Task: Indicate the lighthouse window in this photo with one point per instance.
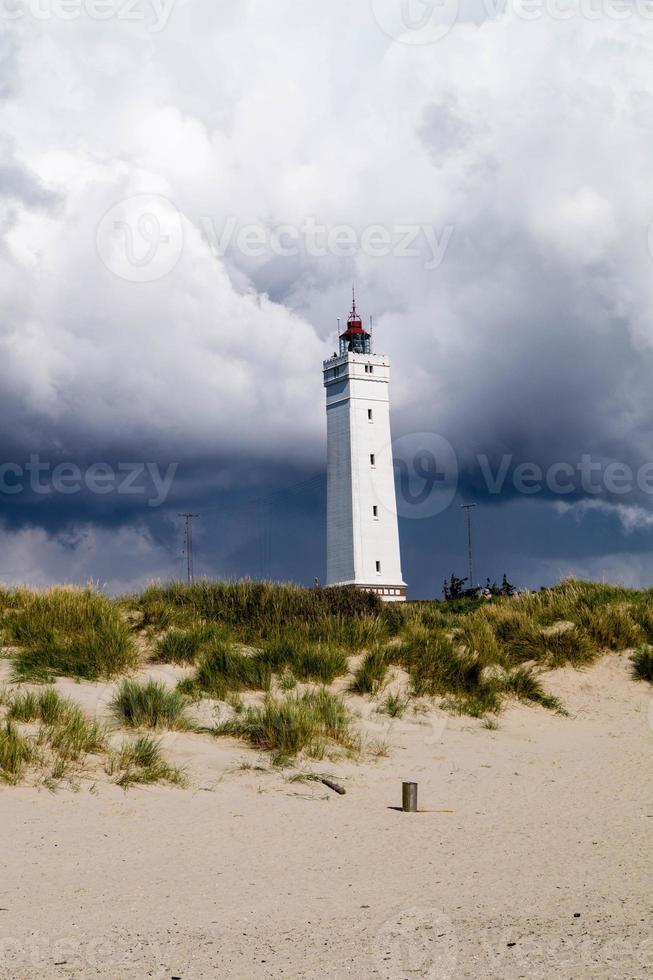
(369, 415)
(378, 568)
(375, 512)
(372, 459)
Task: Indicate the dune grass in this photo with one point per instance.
(259, 612)
(305, 661)
(370, 676)
(64, 740)
(66, 735)
(394, 705)
(140, 761)
(184, 646)
(642, 662)
(68, 632)
(312, 722)
(225, 670)
(612, 627)
(150, 705)
(16, 751)
(526, 686)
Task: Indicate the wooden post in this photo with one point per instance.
(409, 797)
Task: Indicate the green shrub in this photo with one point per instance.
(150, 705)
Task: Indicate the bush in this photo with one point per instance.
(150, 705)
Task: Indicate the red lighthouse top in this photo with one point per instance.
(355, 338)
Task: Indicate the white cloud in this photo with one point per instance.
(531, 140)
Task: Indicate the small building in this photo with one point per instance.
(362, 528)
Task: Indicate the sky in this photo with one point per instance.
(188, 189)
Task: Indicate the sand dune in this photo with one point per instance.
(532, 857)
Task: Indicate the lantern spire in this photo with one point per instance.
(355, 339)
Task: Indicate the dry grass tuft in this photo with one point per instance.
(140, 761)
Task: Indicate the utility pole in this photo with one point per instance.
(188, 540)
(469, 508)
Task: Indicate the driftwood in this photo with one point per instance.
(340, 790)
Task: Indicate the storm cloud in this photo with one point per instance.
(185, 201)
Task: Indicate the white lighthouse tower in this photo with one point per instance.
(362, 531)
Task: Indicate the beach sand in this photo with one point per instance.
(531, 858)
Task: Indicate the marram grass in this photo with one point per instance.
(312, 722)
(150, 705)
(140, 761)
(72, 632)
(643, 664)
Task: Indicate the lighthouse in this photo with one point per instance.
(362, 530)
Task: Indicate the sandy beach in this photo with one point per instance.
(531, 856)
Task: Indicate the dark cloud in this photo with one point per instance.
(518, 325)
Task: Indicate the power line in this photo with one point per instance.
(188, 542)
(469, 508)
